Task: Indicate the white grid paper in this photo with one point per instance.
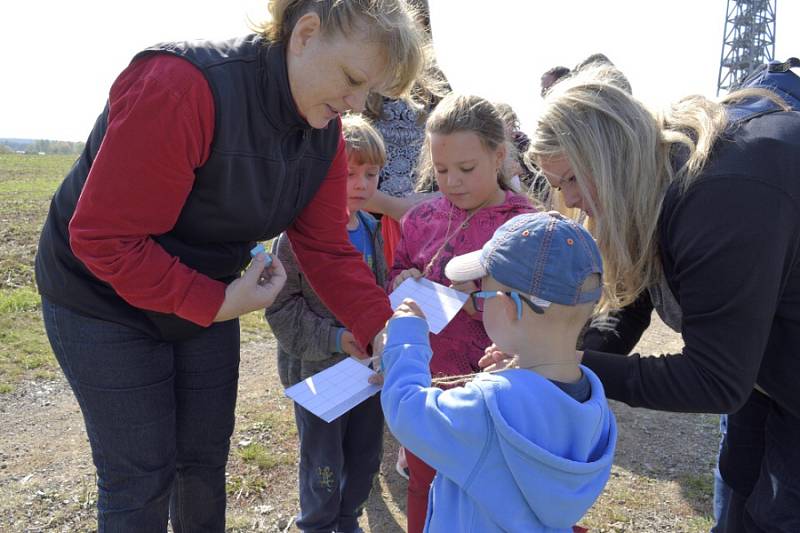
(439, 303)
(334, 391)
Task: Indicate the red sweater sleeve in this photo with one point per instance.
(334, 268)
(160, 126)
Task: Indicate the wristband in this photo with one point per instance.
(339, 334)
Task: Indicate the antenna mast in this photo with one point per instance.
(748, 41)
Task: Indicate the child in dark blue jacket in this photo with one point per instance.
(528, 447)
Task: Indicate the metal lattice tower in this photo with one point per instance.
(748, 41)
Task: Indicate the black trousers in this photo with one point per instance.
(760, 461)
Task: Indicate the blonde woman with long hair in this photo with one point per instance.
(698, 217)
(204, 149)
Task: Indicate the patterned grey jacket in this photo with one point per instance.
(305, 329)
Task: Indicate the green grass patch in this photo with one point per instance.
(237, 485)
(279, 422)
(27, 183)
(697, 487)
(700, 523)
(258, 455)
(235, 523)
(24, 350)
(35, 188)
(19, 300)
(698, 490)
(19, 166)
(254, 327)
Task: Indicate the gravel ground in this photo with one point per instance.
(661, 479)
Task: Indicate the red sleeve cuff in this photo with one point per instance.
(203, 300)
(370, 324)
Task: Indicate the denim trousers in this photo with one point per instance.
(338, 464)
(760, 462)
(159, 417)
(722, 492)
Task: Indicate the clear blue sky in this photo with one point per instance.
(56, 76)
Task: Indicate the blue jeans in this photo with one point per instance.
(338, 464)
(722, 492)
(159, 417)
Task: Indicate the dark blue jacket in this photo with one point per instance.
(730, 249)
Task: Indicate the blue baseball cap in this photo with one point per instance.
(544, 255)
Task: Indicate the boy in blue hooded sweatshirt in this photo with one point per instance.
(528, 447)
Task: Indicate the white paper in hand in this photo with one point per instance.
(334, 391)
(439, 303)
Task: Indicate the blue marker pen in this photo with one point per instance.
(257, 249)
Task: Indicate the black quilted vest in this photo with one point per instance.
(266, 164)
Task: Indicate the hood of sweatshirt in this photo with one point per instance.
(557, 451)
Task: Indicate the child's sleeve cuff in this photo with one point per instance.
(407, 330)
(335, 339)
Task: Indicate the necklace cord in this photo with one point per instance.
(464, 378)
(427, 270)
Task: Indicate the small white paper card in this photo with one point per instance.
(334, 391)
(439, 303)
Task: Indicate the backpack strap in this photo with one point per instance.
(780, 78)
(776, 66)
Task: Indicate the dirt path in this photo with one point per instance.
(661, 479)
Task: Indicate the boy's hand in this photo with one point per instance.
(351, 347)
(494, 359)
(256, 289)
(379, 342)
(404, 275)
(408, 308)
(466, 287)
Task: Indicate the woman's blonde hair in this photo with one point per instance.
(462, 113)
(631, 156)
(362, 140)
(390, 23)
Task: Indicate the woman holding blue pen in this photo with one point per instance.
(204, 149)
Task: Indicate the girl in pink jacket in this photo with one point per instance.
(464, 149)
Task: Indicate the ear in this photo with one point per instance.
(500, 155)
(307, 27)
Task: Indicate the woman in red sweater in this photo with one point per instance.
(204, 149)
